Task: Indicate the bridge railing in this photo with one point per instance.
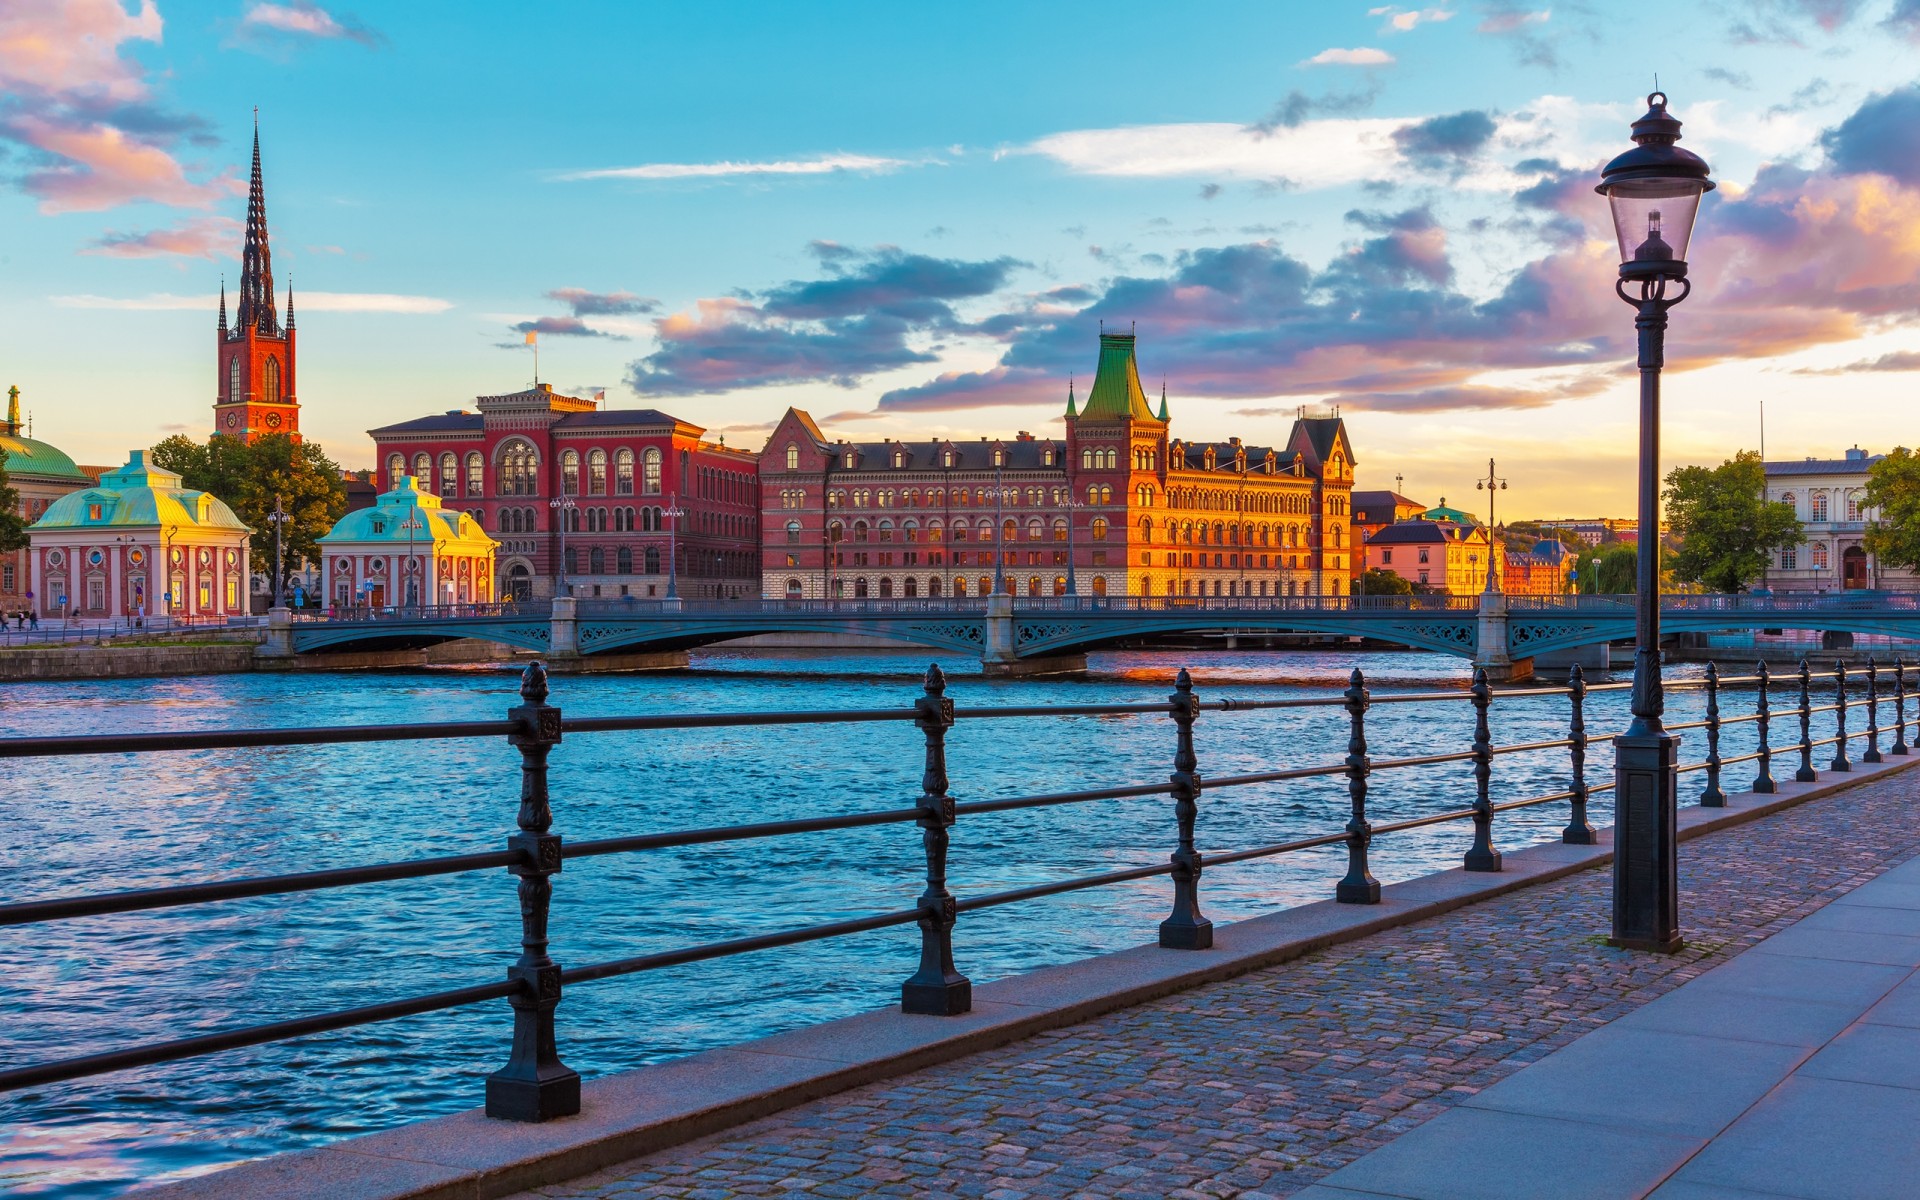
(535, 609)
(535, 1084)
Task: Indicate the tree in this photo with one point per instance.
(1726, 527)
(250, 476)
(13, 525)
(1378, 581)
(1893, 491)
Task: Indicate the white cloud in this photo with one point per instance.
(1359, 56)
(1313, 154)
(825, 164)
(1400, 20)
(347, 302)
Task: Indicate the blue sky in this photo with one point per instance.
(911, 219)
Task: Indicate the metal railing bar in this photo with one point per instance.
(1549, 798)
(222, 739)
(746, 945)
(734, 833)
(733, 719)
(1075, 710)
(61, 1070)
(994, 899)
(1018, 802)
(1234, 856)
(107, 903)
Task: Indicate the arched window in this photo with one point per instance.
(596, 473)
(1009, 530)
(234, 390)
(449, 474)
(1059, 529)
(910, 531)
(794, 590)
(623, 473)
(396, 467)
(1819, 513)
(793, 533)
(570, 472)
(1033, 585)
(650, 472)
(884, 531)
(1099, 529)
(859, 531)
(960, 529)
(1853, 507)
(270, 381)
(886, 589)
(423, 470)
(625, 560)
(1819, 548)
(1086, 460)
(986, 586)
(653, 560)
(596, 561)
(476, 473)
(1035, 531)
(946, 459)
(1099, 585)
(999, 457)
(519, 471)
(911, 588)
(793, 457)
(959, 588)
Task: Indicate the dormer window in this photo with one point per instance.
(378, 526)
(946, 458)
(999, 457)
(93, 512)
(1046, 456)
(849, 463)
(899, 460)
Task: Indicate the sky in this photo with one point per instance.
(912, 220)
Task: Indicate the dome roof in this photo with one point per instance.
(29, 457)
(388, 521)
(139, 495)
(1443, 513)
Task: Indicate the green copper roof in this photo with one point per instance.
(406, 515)
(139, 495)
(1116, 393)
(1443, 513)
(25, 456)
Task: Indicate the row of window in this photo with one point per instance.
(1818, 505)
(518, 473)
(960, 530)
(692, 561)
(269, 380)
(911, 587)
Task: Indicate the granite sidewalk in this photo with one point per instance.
(1793, 1070)
(1261, 1085)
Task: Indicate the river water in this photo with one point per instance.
(90, 824)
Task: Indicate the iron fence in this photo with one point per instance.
(535, 1084)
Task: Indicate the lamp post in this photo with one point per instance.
(563, 507)
(1491, 484)
(279, 518)
(1654, 192)
(673, 514)
(411, 525)
(999, 533)
(1072, 506)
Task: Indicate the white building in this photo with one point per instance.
(1829, 495)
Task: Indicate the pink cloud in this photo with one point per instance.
(104, 167)
(302, 18)
(199, 237)
(56, 47)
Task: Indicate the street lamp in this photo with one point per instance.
(412, 525)
(673, 514)
(563, 507)
(1072, 506)
(1491, 484)
(1654, 191)
(279, 518)
(999, 533)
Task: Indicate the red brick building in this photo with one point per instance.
(620, 470)
(1139, 513)
(255, 393)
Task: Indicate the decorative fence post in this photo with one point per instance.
(1840, 762)
(1481, 856)
(936, 989)
(1873, 713)
(1359, 887)
(1806, 773)
(1579, 830)
(1185, 928)
(1711, 796)
(534, 1085)
(1899, 708)
(1763, 779)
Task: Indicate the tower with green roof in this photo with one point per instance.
(1116, 447)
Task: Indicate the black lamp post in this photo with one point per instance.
(1654, 190)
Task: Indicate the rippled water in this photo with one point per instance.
(91, 824)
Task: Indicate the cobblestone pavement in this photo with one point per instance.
(1258, 1086)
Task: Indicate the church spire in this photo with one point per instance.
(256, 310)
(1070, 411)
(223, 304)
(289, 301)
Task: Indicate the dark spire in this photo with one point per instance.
(223, 304)
(289, 301)
(256, 310)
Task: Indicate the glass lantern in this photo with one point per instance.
(1654, 190)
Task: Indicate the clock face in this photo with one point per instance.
(232, 420)
(273, 420)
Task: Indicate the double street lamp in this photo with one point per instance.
(563, 507)
(1654, 191)
(1491, 484)
(673, 513)
(279, 516)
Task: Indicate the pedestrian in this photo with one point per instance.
(33, 618)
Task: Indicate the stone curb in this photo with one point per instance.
(466, 1156)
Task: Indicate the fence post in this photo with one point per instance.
(1579, 830)
(1711, 796)
(1185, 928)
(936, 989)
(1806, 773)
(1899, 708)
(1763, 779)
(1359, 887)
(1873, 713)
(1840, 762)
(1481, 856)
(534, 1085)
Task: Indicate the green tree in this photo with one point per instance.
(13, 525)
(1378, 581)
(1615, 575)
(1726, 527)
(249, 478)
(1893, 490)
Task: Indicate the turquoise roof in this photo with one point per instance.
(1443, 513)
(1116, 383)
(28, 457)
(388, 520)
(138, 495)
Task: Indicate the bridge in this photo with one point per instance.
(1031, 635)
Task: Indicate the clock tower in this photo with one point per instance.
(255, 394)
